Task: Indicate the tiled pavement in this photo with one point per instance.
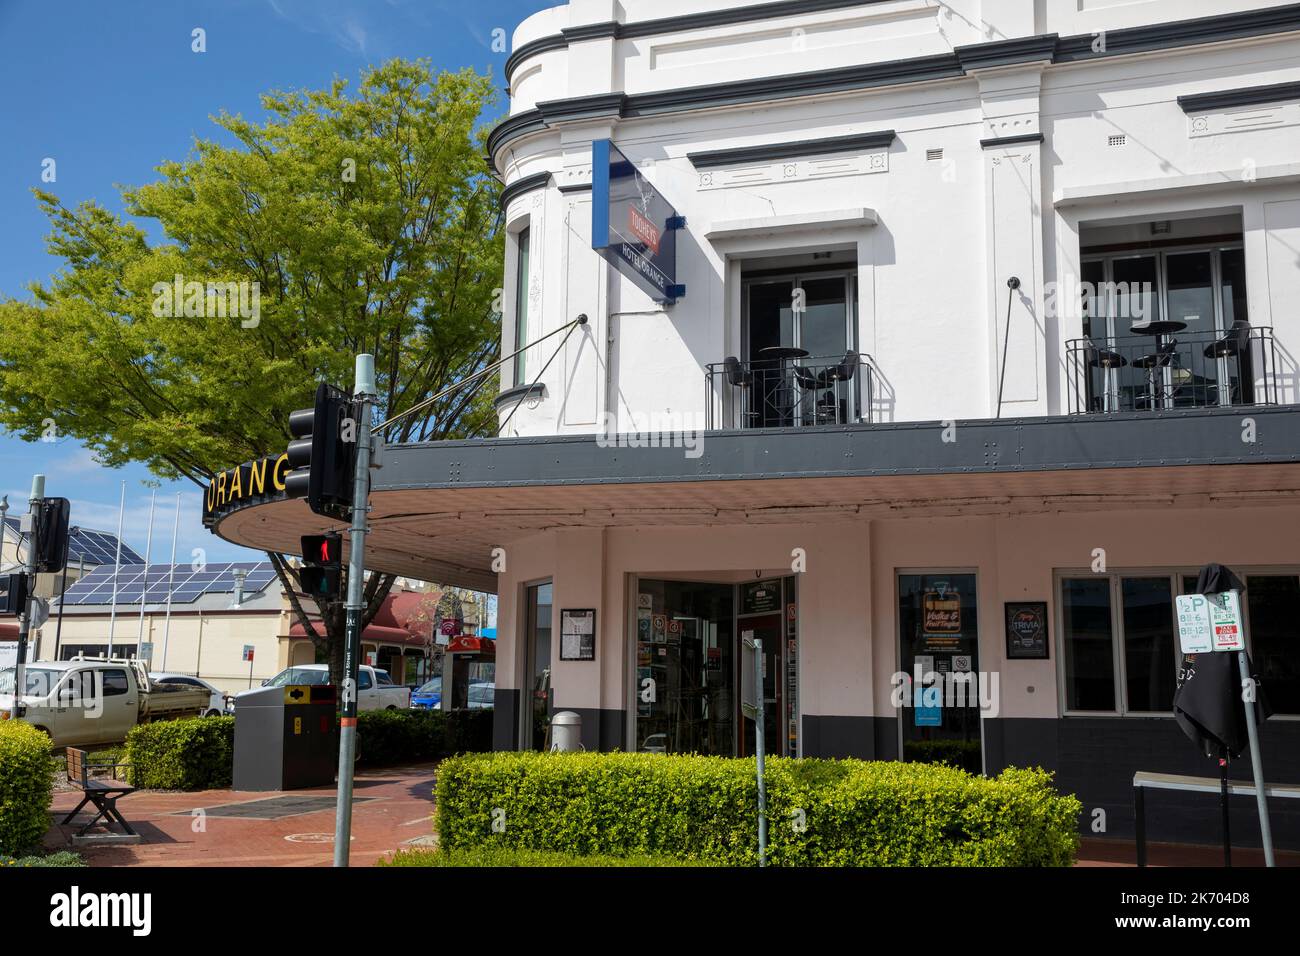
(398, 809)
(396, 812)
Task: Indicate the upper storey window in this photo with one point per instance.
(521, 301)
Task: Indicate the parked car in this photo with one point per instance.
(95, 700)
(483, 695)
(217, 699)
(428, 696)
(375, 688)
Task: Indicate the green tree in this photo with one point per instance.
(369, 222)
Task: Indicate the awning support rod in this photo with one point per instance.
(420, 406)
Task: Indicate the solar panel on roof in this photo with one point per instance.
(152, 583)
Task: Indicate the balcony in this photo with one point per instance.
(1183, 370)
(789, 391)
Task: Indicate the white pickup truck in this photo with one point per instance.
(375, 689)
(88, 701)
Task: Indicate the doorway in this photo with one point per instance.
(939, 651)
(797, 327)
(535, 712)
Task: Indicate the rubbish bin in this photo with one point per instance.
(286, 738)
(566, 731)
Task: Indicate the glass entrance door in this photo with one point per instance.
(537, 661)
(939, 651)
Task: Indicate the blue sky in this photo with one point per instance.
(111, 89)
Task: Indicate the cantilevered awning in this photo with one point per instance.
(439, 509)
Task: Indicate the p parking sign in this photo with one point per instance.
(1210, 622)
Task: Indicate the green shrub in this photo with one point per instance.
(504, 856)
(398, 736)
(195, 753)
(61, 858)
(963, 754)
(704, 809)
(26, 786)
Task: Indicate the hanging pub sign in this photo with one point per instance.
(632, 225)
(1026, 630)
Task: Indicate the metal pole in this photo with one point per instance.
(1257, 768)
(759, 720)
(63, 590)
(171, 581)
(117, 568)
(364, 392)
(4, 523)
(1223, 808)
(29, 569)
(144, 587)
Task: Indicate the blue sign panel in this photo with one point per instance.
(632, 225)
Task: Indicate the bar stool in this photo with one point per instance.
(1162, 358)
(1108, 362)
(1233, 344)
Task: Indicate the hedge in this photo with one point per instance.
(195, 753)
(704, 809)
(26, 786)
(397, 736)
(487, 856)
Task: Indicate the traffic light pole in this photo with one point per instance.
(29, 570)
(364, 393)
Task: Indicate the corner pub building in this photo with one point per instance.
(921, 338)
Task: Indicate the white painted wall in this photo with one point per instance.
(932, 299)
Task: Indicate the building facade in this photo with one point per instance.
(973, 345)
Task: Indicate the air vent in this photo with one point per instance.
(1118, 140)
(933, 154)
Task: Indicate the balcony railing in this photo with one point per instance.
(789, 392)
(1178, 370)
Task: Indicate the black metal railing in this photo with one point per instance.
(789, 393)
(1176, 370)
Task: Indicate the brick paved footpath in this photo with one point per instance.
(399, 811)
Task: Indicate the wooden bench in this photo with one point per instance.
(1143, 781)
(103, 793)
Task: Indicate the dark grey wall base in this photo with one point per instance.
(505, 719)
(867, 738)
(602, 730)
(1096, 757)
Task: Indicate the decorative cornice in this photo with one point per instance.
(806, 147)
(520, 186)
(944, 66)
(590, 31)
(578, 108)
(1245, 96)
(1017, 52)
(998, 141)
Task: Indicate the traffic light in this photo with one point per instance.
(13, 594)
(324, 455)
(52, 535)
(322, 566)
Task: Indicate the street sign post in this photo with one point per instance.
(751, 705)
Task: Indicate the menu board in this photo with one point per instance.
(578, 635)
(1026, 630)
(760, 597)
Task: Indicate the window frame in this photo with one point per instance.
(1176, 574)
(521, 265)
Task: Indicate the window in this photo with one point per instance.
(1274, 645)
(115, 682)
(521, 300)
(1119, 640)
(383, 678)
(363, 680)
(1118, 643)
